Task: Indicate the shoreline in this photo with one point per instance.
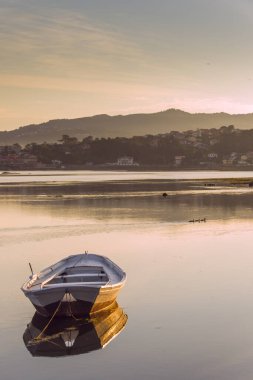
(123, 186)
(141, 169)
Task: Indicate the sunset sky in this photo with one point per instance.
(67, 59)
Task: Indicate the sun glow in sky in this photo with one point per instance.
(67, 59)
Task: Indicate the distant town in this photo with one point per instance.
(217, 148)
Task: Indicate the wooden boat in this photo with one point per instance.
(77, 285)
(68, 336)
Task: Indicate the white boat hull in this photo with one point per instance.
(60, 294)
(77, 301)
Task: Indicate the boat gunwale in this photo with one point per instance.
(28, 290)
(74, 285)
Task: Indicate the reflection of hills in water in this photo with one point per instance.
(69, 336)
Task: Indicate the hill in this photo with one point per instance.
(123, 126)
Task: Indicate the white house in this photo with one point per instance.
(126, 161)
(212, 155)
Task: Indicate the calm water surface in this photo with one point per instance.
(189, 290)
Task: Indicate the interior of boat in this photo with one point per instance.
(81, 274)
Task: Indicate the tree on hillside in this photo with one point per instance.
(67, 140)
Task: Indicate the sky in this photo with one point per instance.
(68, 59)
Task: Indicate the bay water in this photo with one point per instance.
(189, 286)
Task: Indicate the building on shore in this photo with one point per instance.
(126, 161)
(178, 160)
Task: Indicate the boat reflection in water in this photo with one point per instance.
(72, 336)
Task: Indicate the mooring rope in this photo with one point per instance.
(54, 314)
(39, 338)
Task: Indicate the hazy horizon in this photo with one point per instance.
(68, 60)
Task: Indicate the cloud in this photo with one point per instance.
(78, 57)
(61, 42)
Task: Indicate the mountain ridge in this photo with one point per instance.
(104, 125)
